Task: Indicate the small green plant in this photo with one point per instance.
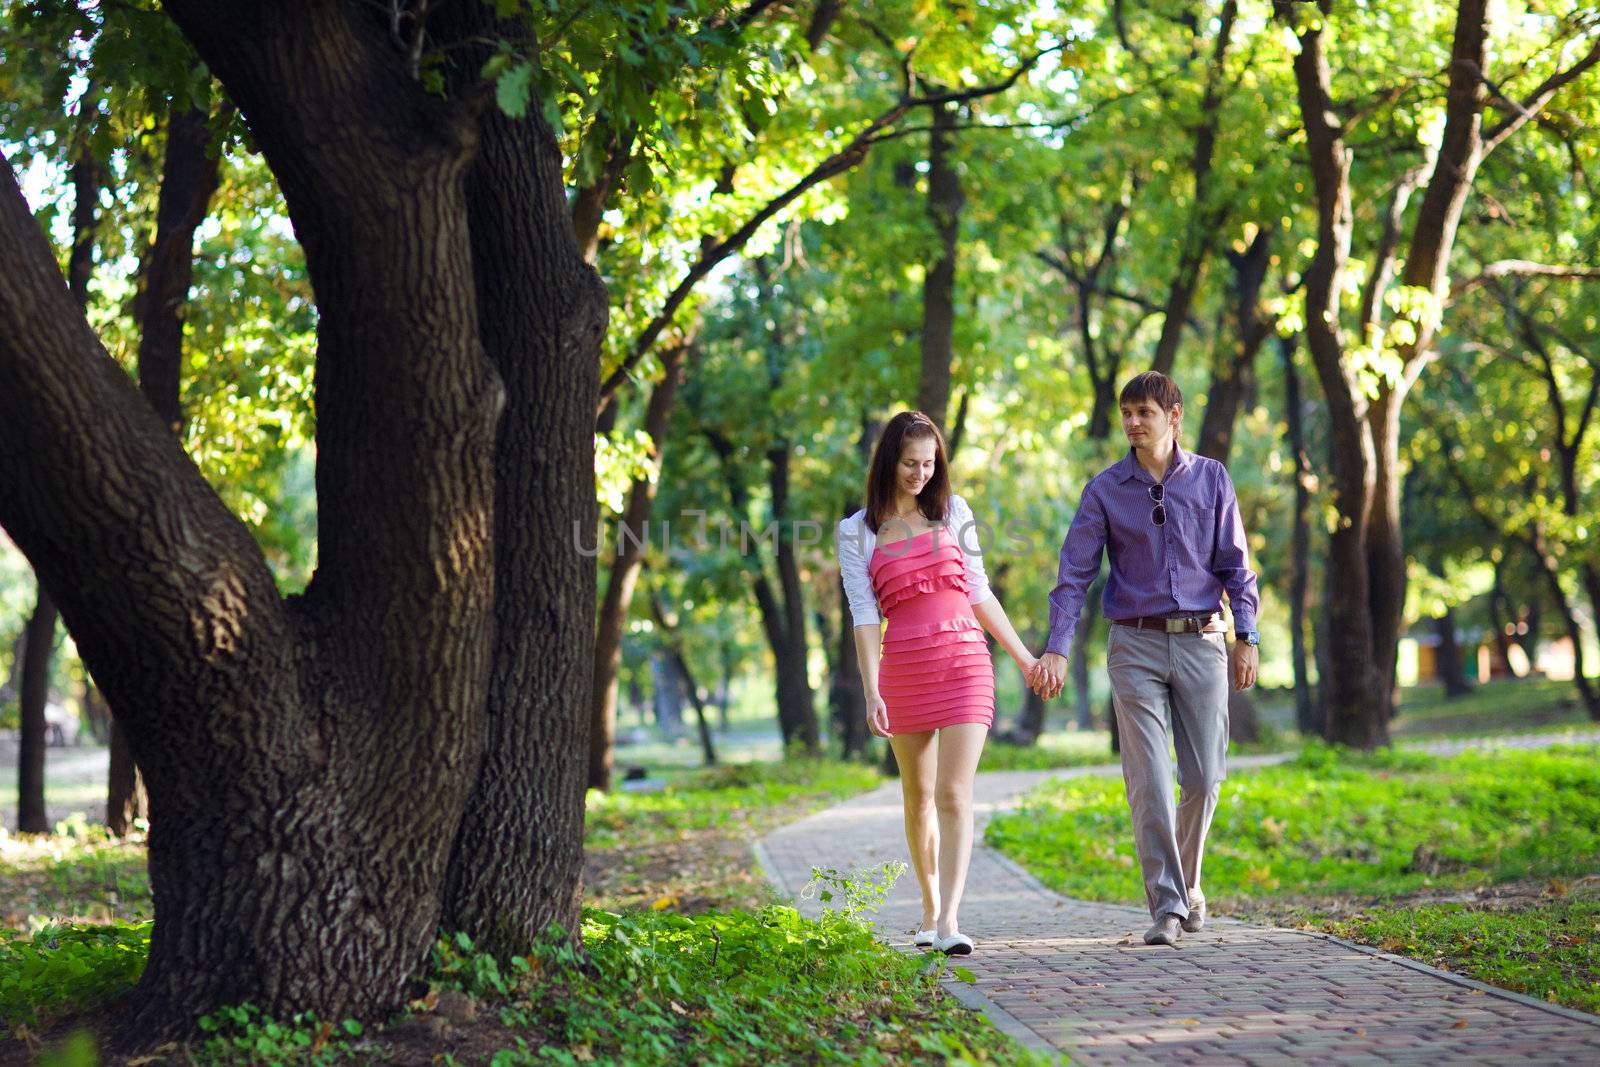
(862, 890)
(243, 1035)
(67, 968)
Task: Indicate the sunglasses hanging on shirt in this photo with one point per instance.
(1158, 514)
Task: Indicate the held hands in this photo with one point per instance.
(877, 715)
(1049, 675)
(1242, 664)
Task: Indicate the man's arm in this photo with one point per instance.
(1080, 565)
(1230, 562)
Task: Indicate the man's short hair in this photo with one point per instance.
(1154, 386)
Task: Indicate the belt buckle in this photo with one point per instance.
(1178, 626)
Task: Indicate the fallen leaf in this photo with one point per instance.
(663, 903)
(1190, 1022)
(1391, 944)
(1459, 1024)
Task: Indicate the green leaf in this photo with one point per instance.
(964, 975)
(514, 89)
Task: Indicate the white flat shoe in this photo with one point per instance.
(954, 945)
(924, 938)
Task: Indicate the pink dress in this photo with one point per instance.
(935, 670)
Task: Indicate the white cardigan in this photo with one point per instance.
(854, 544)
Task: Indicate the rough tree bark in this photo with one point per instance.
(34, 686)
(188, 180)
(517, 861)
(309, 761)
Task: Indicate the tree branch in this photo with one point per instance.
(839, 162)
(149, 568)
(1509, 268)
(1534, 102)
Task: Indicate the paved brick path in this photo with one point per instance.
(1076, 976)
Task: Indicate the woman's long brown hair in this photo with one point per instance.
(934, 500)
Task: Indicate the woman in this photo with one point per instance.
(912, 553)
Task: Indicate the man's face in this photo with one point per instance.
(1148, 424)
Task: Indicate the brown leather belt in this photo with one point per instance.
(1187, 624)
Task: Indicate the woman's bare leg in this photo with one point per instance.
(916, 754)
(957, 765)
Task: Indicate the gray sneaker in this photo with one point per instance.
(1197, 912)
(1166, 931)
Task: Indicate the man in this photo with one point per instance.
(1169, 522)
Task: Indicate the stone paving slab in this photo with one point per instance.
(1075, 976)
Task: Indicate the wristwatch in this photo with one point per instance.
(1249, 637)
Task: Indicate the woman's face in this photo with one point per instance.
(917, 461)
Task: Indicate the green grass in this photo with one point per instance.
(1064, 748)
(77, 873)
(1505, 705)
(1550, 951)
(1334, 824)
(650, 989)
(744, 799)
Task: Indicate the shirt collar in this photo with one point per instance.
(1128, 467)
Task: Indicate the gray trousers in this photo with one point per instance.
(1151, 672)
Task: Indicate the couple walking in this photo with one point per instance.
(1169, 522)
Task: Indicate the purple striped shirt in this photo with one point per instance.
(1183, 567)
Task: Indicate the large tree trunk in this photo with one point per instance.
(1427, 265)
(517, 861)
(37, 649)
(34, 690)
(308, 761)
(188, 180)
(1233, 360)
(1306, 716)
(1355, 704)
(797, 712)
(632, 536)
(945, 200)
